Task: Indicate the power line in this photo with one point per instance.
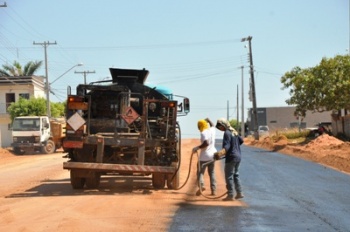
(84, 73)
(197, 76)
(152, 46)
(27, 26)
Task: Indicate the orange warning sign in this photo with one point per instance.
(130, 115)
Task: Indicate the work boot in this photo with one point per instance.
(239, 196)
(198, 193)
(228, 198)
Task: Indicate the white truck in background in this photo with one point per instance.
(37, 133)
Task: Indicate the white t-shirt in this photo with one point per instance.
(207, 153)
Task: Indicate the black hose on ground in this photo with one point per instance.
(200, 187)
(188, 176)
(190, 165)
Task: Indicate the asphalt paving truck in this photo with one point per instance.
(123, 127)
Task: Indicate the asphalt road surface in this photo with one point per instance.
(282, 193)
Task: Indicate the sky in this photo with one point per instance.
(192, 47)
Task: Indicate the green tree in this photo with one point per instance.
(235, 124)
(324, 87)
(16, 69)
(34, 107)
(57, 109)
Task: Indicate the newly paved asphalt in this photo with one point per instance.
(282, 193)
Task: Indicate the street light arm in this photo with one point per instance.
(65, 73)
(246, 39)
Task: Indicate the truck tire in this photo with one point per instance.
(49, 148)
(94, 181)
(158, 180)
(173, 182)
(76, 181)
(18, 151)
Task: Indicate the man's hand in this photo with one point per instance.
(219, 154)
(195, 149)
(216, 156)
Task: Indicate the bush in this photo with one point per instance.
(34, 107)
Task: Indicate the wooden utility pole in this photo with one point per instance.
(242, 119)
(255, 113)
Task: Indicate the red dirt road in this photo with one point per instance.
(36, 196)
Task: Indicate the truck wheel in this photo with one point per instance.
(49, 148)
(158, 180)
(18, 151)
(76, 181)
(173, 182)
(93, 182)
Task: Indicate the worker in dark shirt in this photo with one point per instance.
(232, 151)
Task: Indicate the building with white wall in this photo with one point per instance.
(11, 89)
(284, 117)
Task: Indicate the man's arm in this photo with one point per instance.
(203, 145)
(225, 147)
(240, 139)
(210, 122)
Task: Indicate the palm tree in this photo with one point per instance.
(16, 69)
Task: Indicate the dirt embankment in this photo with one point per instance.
(325, 149)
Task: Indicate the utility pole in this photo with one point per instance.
(228, 110)
(84, 73)
(45, 45)
(237, 108)
(242, 120)
(255, 113)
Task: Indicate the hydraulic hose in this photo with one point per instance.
(189, 170)
(198, 182)
(189, 173)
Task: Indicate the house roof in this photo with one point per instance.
(22, 80)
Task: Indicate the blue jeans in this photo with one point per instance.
(232, 178)
(201, 171)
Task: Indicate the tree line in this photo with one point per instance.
(324, 87)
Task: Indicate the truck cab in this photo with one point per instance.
(33, 134)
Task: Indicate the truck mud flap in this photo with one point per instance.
(119, 167)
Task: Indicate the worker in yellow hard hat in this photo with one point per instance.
(207, 150)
